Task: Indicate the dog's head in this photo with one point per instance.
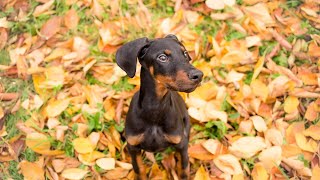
(165, 58)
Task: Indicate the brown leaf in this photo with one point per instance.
(71, 19)
(4, 37)
(51, 27)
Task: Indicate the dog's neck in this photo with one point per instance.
(151, 91)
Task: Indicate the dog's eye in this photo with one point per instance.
(185, 53)
(162, 58)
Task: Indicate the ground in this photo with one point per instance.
(63, 99)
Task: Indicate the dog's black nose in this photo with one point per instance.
(195, 75)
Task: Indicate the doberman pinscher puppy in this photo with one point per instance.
(157, 116)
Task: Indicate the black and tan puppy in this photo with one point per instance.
(158, 117)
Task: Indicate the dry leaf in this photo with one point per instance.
(315, 173)
(201, 174)
(106, 163)
(71, 19)
(313, 131)
(211, 145)
(74, 173)
(246, 147)
(307, 145)
(51, 27)
(31, 170)
(197, 151)
(259, 172)
(260, 89)
(37, 142)
(56, 107)
(83, 145)
(228, 164)
(259, 123)
(270, 157)
(274, 136)
(291, 104)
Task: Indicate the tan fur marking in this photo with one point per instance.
(135, 140)
(167, 52)
(175, 139)
(142, 170)
(151, 69)
(182, 76)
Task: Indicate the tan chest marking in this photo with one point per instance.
(175, 139)
(135, 140)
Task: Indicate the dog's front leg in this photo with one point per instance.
(137, 163)
(183, 162)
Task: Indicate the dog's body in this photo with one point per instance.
(157, 116)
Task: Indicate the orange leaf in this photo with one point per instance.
(260, 89)
(315, 173)
(71, 19)
(313, 131)
(31, 170)
(51, 27)
(198, 152)
(311, 113)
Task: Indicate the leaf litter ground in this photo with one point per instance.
(63, 100)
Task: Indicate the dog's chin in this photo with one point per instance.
(185, 88)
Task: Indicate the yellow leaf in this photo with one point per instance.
(291, 104)
(83, 145)
(313, 131)
(106, 163)
(238, 177)
(56, 53)
(31, 171)
(259, 172)
(89, 158)
(74, 173)
(232, 57)
(228, 164)
(201, 174)
(260, 89)
(37, 142)
(199, 152)
(56, 107)
(315, 173)
(93, 97)
(257, 68)
(38, 81)
(310, 146)
(211, 145)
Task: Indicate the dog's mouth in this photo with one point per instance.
(187, 88)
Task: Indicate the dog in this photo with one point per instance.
(157, 117)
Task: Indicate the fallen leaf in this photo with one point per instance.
(246, 147)
(260, 89)
(37, 142)
(313, 131)
(228, 164)
(83, 145)
(274, 136)
(51, 27)
(71, 19)
(291, 104)
(315, 173)
(270, 157)
(198, 152)
(201, 174)
(311, 113)
(74, 173)
(106, 163)
(31, 170)
(211, 145)
(259, 123)
(307, 145)
(259, 172)
(56, 107)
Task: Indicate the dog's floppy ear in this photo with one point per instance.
(126, 55)
(172, 36)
